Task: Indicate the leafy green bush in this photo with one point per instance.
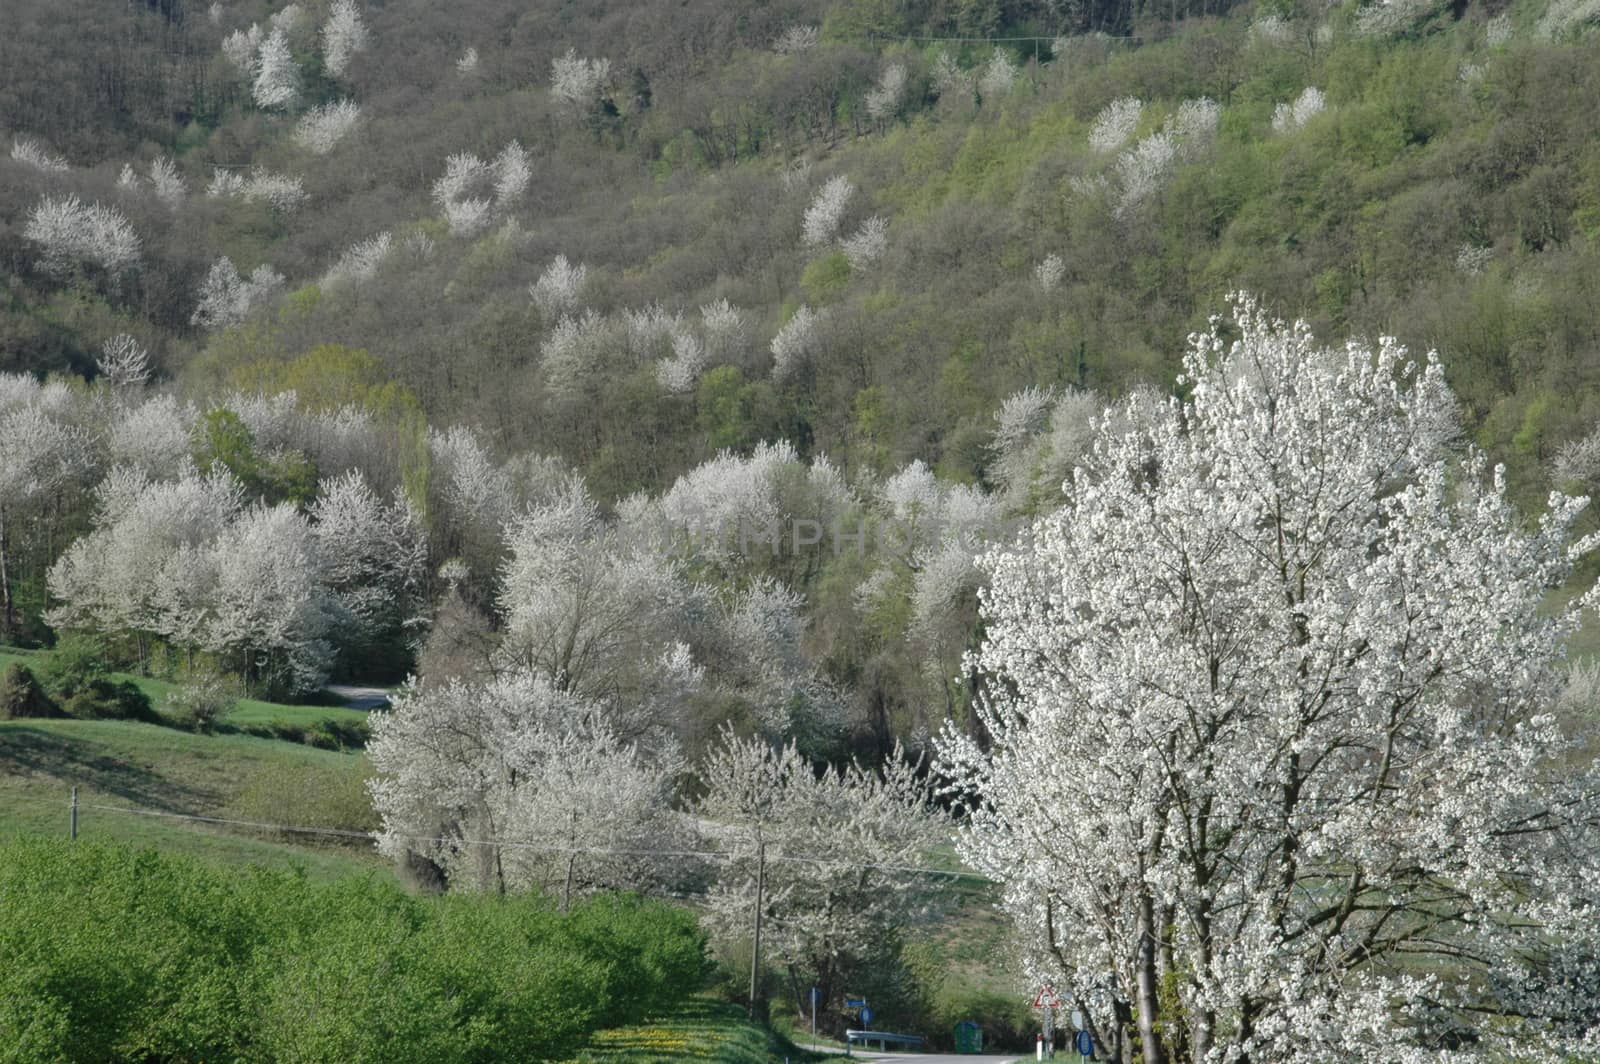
(22, 696)
(110, 954)
(78, 678)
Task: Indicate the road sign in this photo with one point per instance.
(1077, 1020)
(866, 1017)
(855, 1003)
(1084, 1044)
(816, 996)
(1046, 999)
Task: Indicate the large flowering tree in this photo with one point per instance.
(1272, 772)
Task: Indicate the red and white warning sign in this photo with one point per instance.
(1046, 999)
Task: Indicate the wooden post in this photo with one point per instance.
(73, 831)
(755, 954)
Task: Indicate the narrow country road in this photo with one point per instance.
(360, 697)
(931, 1058)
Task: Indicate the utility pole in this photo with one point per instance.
(73, 831)
(755, 956)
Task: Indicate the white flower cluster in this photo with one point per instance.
(71, 232)
(343, 35)
(576, 81)
(796, 39)
(821, 222)
(559, 288)
(282, 191)
(885, 99)
(322, 127)
(29, 151)
(1288, 117)
(472, 192)
(1115, 124)
(226, 297)
(360, 261)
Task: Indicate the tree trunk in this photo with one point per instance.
(1146, 989)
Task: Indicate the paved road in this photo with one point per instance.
(929, 1058)
(360, 697)
(933, 1058)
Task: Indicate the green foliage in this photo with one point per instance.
(21, 694)
(222, 439)
(824, 278)
(77, 676)
(109, 953)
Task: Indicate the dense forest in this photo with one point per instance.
(434, 291)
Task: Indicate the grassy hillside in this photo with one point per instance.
(161, 770)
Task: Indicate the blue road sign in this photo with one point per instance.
(1084, 1044)
(855, 1003)
(866, 1017)
(816, 997)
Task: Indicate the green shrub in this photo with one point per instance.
(22, 696)
(111, 954)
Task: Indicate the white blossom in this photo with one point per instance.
(360, 261)
(573, 352)
(1283, 664)
(1049, 271)
(1273, 30)
(1472, 259)
(1115, 124)
(949, 80)
(559, 289)
(343, 35)
(1194, 123)
(577, 82)
(153, 438)
(277, 77)
(831, 848)
(515, 784)
(796, 343)
(724, 328)
(678, 373)
(324, 126)
(286, 19)
(71, 231)
(467, 65)
(796, 39)
(27, 150)
(868, 243)
(822, 218)
(167, 183)
(1142, 169)
(1578, 461)
(1287, 117)
(241, 48)
(999, 75)
(1499, 30)
(1390, 18)
(226, 298)
(123, 362)
(885, 99)
(473, 192)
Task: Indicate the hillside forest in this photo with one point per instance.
(636, 388)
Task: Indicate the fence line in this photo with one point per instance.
(508, 844)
